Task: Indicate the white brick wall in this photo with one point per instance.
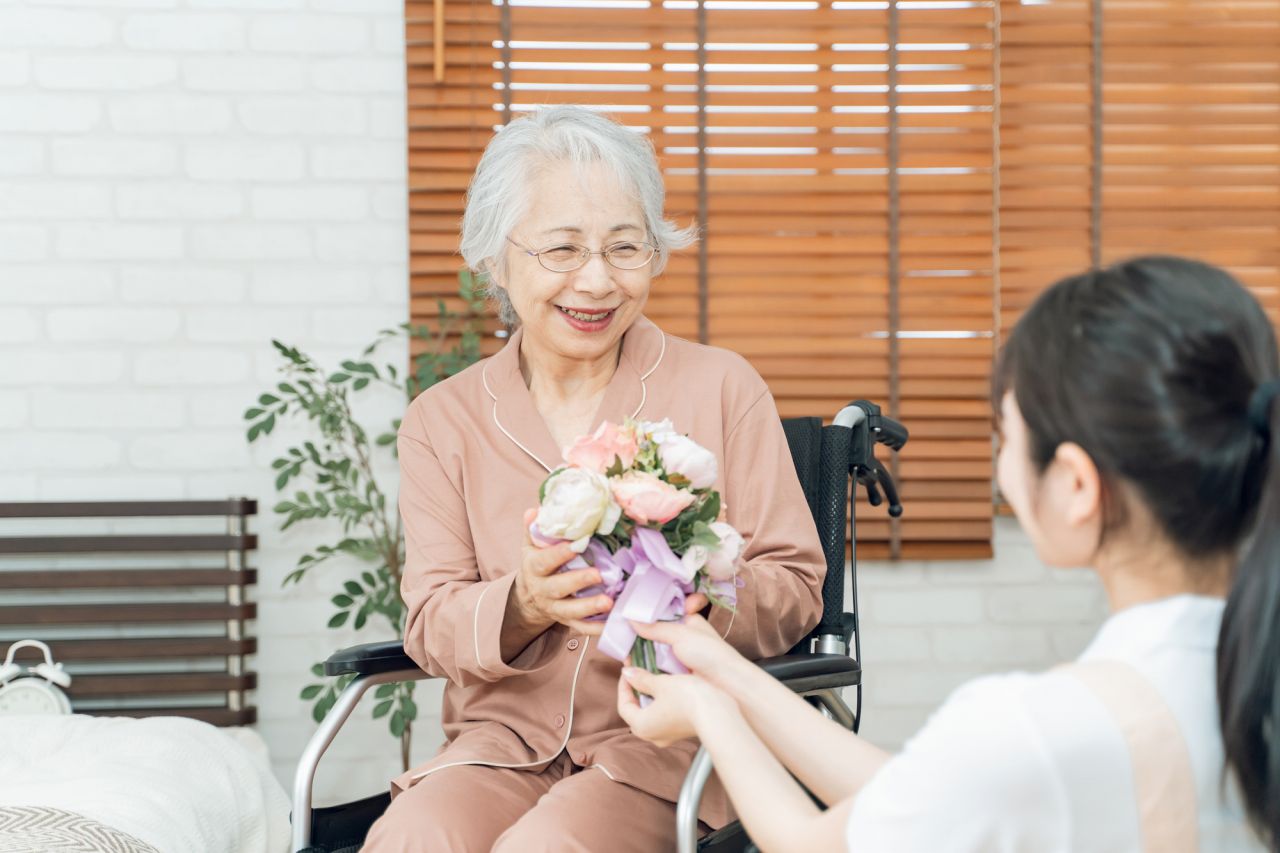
(182, 180)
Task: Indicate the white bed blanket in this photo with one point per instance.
(174, 783)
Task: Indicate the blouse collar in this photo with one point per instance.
(516, 416)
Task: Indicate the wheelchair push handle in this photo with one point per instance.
(869, 427)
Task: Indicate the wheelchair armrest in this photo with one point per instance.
(369, 659)
(807, 673)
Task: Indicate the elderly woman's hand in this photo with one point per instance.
(545, 594)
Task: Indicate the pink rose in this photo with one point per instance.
(596, 452)
(644, 498)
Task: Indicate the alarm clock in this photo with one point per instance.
(33, 689)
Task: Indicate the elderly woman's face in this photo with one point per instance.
(584, 206)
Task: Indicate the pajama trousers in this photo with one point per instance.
(472, 808)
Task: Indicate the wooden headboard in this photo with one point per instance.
(144, 602)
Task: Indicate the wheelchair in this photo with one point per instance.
(819, 667)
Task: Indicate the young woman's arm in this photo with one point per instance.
(777, 813)
(831, 761)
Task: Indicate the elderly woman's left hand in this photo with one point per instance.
(680, 704)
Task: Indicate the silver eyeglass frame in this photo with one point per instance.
(585, 255)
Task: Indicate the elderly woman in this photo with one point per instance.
(564, 218)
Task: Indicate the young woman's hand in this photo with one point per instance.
(680, 704)
(698, 646)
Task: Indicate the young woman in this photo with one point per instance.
(1140, 439)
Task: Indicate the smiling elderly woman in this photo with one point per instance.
(564, 217)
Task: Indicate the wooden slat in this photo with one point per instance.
(172, 543)
(157, 683)
(125, 509)
(108, 614)
(110, 577)
(149, 648)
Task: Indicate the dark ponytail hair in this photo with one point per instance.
(1150, 366)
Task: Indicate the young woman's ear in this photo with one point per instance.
(1082, 484)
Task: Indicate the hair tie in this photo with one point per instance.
(1260, 405)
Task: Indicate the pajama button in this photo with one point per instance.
(573, 644)
(559, 721)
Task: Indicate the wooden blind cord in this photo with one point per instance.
(504, 25)
(895, 526)
(439, 40)
(1095, 121)
(704, 259)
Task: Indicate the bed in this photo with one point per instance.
(147, 605)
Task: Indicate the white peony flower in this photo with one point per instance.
(722, 563)
(577, 503)
(659, 431)
(695, 558)
(684, 456)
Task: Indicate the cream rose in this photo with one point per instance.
(722, 561)
(684, 456)
(577, 503)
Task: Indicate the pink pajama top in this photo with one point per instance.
(473, 451)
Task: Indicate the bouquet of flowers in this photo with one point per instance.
(635, 502)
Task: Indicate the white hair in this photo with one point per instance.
(498, 197)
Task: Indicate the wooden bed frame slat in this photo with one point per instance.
(152, 683)
(150, 648)
(104, 614)
(126, 544)
(126, 509)
(110, 578)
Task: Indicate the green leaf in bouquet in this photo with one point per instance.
(343, 601)
(317, 669)
(380, 710)
(710, 508)
(703, 535)
(384, 691)
(311, 691)
(339, 619)
(616, 469)
(397, 724)
(678, 480)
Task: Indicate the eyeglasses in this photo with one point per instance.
(568, 257)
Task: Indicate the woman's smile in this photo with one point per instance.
(587, 321)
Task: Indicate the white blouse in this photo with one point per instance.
(1025, 762)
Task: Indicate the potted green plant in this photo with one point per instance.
(330, 477)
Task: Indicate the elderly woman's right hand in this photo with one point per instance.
(545, 594)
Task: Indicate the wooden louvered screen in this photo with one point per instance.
(1185, 102)
(801, 268)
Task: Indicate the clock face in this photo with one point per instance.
(32, 696)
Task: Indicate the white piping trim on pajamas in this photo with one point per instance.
(484, 378)
(603, 770)
(475, 625)
(568, 729)
(644, 396)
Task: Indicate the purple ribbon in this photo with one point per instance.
(614, 570)
(655, 592)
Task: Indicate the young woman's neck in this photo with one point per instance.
(1138, 571)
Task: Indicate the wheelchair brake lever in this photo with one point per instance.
(873, 493)
(890, 488)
